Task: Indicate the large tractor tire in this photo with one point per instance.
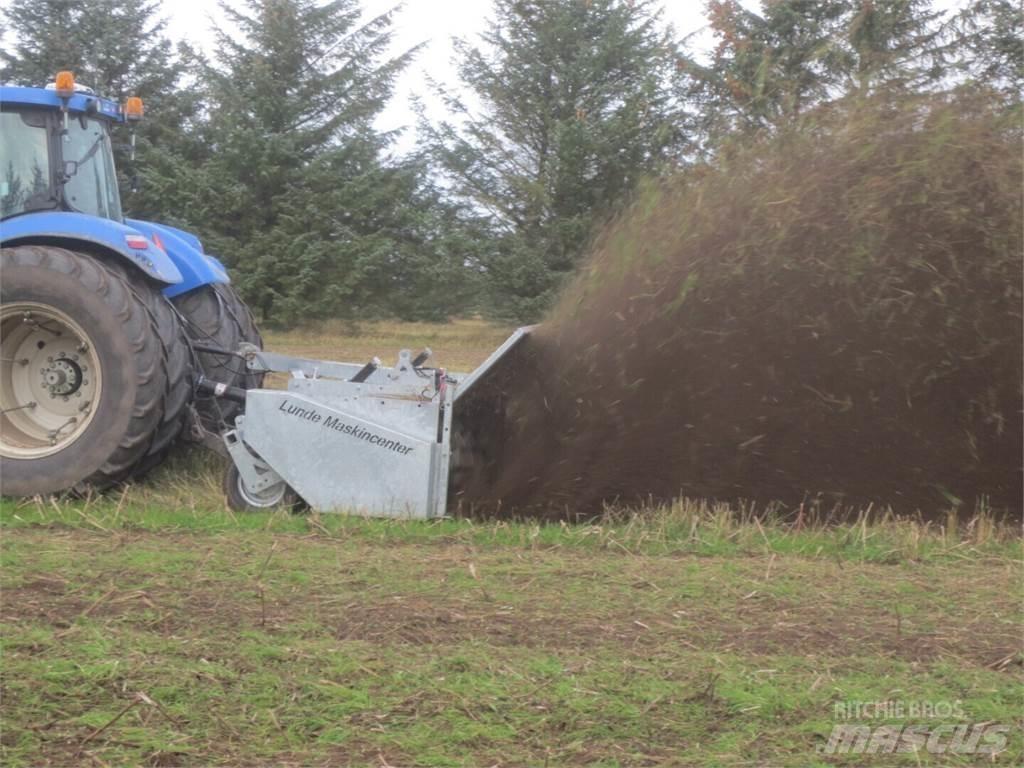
(95, 375)
(215, 316)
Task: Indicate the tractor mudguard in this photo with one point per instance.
(185, 250)
(68, 229)
(188, 237)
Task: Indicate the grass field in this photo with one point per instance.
(154, 627)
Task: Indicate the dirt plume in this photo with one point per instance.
(833, 315)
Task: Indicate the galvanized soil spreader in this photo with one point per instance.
(344, 437)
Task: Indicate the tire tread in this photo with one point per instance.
(162, 364)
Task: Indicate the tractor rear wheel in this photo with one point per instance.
(216, 316)
(94, 372)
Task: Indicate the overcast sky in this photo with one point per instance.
(432, 22)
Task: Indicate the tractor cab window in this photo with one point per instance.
(24, 166)
(91, 182)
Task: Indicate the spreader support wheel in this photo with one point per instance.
(241, 498)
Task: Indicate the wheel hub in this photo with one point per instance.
(267, 497)
(49, 380)
(64, 377)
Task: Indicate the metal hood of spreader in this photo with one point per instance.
(356, 438)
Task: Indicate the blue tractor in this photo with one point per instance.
(108, 325)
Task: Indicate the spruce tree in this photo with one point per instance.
(566, 106)
(298, 192)
(118, 48)
(991, 34)
(765, 69)
(770, 68)
(896, 44)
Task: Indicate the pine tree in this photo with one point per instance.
(114, 46)
(118, 48)
(991, 32)
(770, 68)
(573, 109)
(765, 69)
(901, 44)
(49, 37)
(298, 193)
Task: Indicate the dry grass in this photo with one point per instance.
(458, 346)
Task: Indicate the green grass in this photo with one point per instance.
(684, 527)
(152, 626)
(684, 636)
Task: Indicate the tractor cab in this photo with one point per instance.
(56, 153)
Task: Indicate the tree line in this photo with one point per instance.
(267, 147)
